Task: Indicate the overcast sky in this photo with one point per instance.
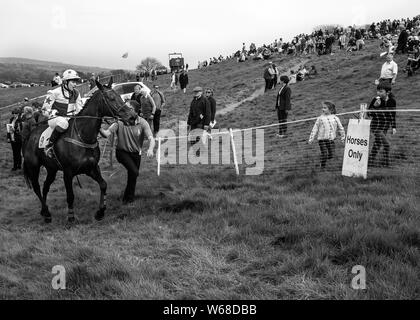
(98, 33)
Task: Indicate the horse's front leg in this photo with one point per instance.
(68, 182)
(96, 175)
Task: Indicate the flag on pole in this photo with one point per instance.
(125, 55)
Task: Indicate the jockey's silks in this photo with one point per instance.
(64, 101)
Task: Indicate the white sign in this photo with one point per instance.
(356, 151)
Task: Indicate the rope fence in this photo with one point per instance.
(293, 152)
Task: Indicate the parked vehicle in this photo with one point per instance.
(3, 86)
(176, 61)
(126, 89)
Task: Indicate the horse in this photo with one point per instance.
(76, 150)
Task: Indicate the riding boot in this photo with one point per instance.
(49, 147)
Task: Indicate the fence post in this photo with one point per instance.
(363, 108)
(232, 143)
(158, 156)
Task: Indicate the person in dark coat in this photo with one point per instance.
(382, 121)
(283, 104)
(136, 96)
(200, 111)
(183, 80)
(212, 101)
(14, 136)
(402, 42)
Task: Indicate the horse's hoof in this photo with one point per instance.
(47, 219)
(100, 214)
(45, 212)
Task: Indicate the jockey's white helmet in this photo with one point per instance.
(70, 75)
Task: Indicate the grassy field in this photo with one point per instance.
(201, 232)
(14, 95)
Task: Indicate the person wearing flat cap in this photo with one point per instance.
(200, 111)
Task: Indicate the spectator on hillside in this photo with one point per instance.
(413, 61)
(343, 41)
(382, 121)
(176, 79)
(183, 80)
(173, 85)
(160, 102)
(28, 123)
(283, 105)
(269, 73)
(199, 116)
(389, 70)
(136, 96)
(312, 72)
(402, 42)
(276, 74)
(212, 101)
(292, 77)
(302, 72)
(325, 129)
(14, 137)
(147, 106)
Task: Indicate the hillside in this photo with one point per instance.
(201, 232)
(29, 70)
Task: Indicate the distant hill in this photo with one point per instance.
(29, 70)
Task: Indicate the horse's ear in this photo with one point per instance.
(99, 85)
(111, 81)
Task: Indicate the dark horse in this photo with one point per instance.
(76, 150)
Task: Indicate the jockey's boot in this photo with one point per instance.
(49, 147)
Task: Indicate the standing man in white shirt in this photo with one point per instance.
(389, 70)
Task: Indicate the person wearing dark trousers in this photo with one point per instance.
(14, 136)
(209, 96)
(183, 80)
(381, 122)
(269, 76)
(200, 113)
(325, 130)
(160, 102)
(283, 105)
(129, 147)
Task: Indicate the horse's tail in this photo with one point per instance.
(26, 175)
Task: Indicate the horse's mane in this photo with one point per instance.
(92, 98)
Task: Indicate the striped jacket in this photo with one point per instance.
(326, 128)
(64, 101)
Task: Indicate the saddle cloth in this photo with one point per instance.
(45, 138)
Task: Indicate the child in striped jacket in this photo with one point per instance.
(326, 128)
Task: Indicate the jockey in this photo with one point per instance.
(60, 103)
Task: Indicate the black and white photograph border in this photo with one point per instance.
(222, 153)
